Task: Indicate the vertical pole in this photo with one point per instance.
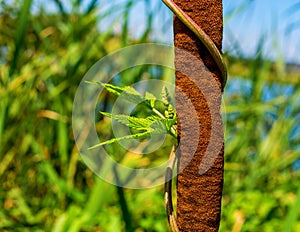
(199, 194)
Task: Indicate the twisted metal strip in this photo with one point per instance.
(202, 36)
(168, 191)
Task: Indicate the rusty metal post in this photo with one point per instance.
(199, 194)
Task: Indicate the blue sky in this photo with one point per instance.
(243, 28)
(268, 18)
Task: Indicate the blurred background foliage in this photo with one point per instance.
(45, 186)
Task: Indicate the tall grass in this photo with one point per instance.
(261, 191)
(45, 184)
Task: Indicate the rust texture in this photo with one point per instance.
(199, 195)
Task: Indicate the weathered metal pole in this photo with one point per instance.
(199, 193)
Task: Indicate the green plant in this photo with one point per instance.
(161, 119)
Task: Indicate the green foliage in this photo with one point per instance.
(261, 188)
(45, 184)
(155, 124)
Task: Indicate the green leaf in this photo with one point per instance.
(132, 122)
(128, 92)
(158, 127)
(151, 99)
(152, 125)
(133, 96)
(22, 24)
(112, 88)
(147, 124)
(141, 135)
(109, 115)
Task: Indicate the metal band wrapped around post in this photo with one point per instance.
(199, 193)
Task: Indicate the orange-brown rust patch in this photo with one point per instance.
(199, 196)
